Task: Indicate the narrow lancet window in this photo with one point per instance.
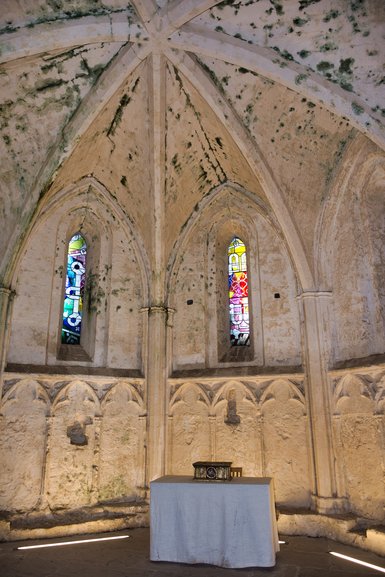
(74, 291)
(238, 293)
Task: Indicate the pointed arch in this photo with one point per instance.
(353, 395)
(353, 216)
(225, 391)
(283, 389)
(108, 203)
(87, 208)
(77, 395)
(198, 267)
(178, 396)
(359, 161)
(123, 427)
(123, 390)
(111, 80)
(237, 199)
(250, 150)
(24, 427)
(34, 392)
(188, 428)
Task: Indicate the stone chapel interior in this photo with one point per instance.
(192, 255)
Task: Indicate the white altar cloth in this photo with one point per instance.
(224, 523)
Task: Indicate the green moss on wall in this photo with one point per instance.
(357, 108)
(48, 84)
(303, 4)
(299, 22)
(331, 15)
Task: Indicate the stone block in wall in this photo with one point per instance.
(286, 456)
(23, 428)
(359, 433)
(237, 428)
(188, 429)
(70, 478)
(120, 460)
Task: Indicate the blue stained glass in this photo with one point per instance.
(238, 293)
(74, 291)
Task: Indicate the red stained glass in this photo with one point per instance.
(238, 293)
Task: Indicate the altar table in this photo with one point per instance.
(223, 523)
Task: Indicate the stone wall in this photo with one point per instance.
(358, 429)
(69, 443)
(115, 291)
(160, 131)
(257, 424)
(73, 443)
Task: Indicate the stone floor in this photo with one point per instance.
(298, 557)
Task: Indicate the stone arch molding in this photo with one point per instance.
(121, 467)
(228, 398)
(232, 196)
(170, 31)
(123, 392)
(251, 152)
(257, 433)
(22, 395)
(213, 396)
(105, 206)
(283, 391)
(189, 393)
(348, 241)
(77, 395)
(359, 394)
(57, 434)
(359, 163)
(89, 207)
(353, 395)
(197, 271)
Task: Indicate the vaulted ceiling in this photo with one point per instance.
(162, 101)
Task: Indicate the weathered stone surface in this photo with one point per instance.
(22, 446)
(121, 444)
(161, 130)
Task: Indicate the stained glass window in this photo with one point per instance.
(238, 293)
(74, 291)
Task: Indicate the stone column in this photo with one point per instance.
(169, 338)
(6, 296)
(45, 481)
(95, 486)
(156, 391)
(213, 431)
(314, 311)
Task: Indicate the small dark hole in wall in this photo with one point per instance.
(277, 296)
(190, 302)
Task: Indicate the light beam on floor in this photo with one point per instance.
(62, 543)
(353, 560)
